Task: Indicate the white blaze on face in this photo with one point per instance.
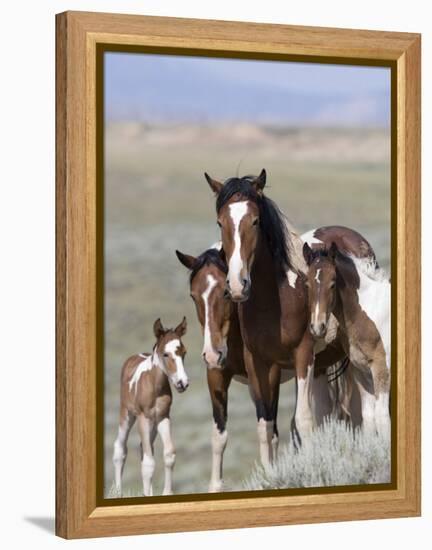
(315, 314)
(237, 212)
(208, 347)
(171, 349)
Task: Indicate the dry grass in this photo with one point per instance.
(335, 455)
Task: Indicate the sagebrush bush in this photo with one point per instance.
(334, 455)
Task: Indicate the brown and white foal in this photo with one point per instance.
(358, 293)
(146, 395)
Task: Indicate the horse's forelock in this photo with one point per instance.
(272, 221)
(208, 257)
(241, 186)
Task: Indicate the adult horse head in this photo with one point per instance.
(207, 289)
(245, 217)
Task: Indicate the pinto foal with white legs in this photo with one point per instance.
(146, 396)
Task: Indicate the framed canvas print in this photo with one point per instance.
(238, 274)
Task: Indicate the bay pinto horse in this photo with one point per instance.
(358, 293)
(222, 349)
(145, 394)
(272, 301)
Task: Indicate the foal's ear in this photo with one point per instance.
(260, 181)
(185, 259)
(307, 253)
(333, 251)
(158, 328)
(215, 186)
(180, 330)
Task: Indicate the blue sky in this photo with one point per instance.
(158, 88)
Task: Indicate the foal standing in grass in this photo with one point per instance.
(146, 396)
(358, 293)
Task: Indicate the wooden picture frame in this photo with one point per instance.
(80, 39)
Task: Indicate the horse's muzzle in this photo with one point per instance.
(241, 292)
(318, 330)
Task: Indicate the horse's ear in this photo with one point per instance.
(158, 328)
(215, 185)
(185, 259)
(260, 181)
(333, 251)
(307, 253)
(180, 329)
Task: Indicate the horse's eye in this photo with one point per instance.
(165, 354)
(219, 223)
(307, 284)
(332, 285)
(255, 222)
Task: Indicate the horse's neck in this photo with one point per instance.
(347, 303)
(263, 270)
(160, 379)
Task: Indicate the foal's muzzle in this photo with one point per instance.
(182, 385)
(318, 329)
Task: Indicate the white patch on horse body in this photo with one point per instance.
(237, 212)
(310, 238)
(374, 296)
(292, 278)
(211, 283)
(144, 366)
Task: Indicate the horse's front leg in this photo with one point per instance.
(147, 431)
(218, 381)
(164, 430)
(120, 447)
(304, 365)
(381, 380)
(264, 382)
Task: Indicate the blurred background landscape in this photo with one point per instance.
(322, 132)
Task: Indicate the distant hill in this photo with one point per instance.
(157, 89)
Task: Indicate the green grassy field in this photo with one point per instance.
(157, 200)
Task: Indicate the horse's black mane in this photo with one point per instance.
(272, 220)
(320, 252)
(210, 256)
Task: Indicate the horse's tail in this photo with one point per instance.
(340, 380)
